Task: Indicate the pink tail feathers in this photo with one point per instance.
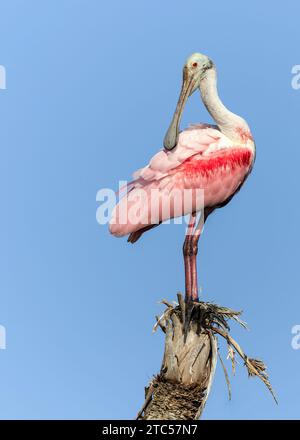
(133, 213)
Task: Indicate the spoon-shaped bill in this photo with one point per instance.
(171, 137)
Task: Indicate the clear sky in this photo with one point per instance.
(91, 87)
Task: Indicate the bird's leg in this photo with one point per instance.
(187, 266)
(187, 256)
(194, 252)
(190, 250)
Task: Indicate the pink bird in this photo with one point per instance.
(214, 158)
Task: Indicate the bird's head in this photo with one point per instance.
(194, 71)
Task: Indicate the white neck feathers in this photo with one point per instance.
(230, 124)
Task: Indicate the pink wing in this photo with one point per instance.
(203, 159)
(194, 140)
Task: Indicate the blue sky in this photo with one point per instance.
(91, 87)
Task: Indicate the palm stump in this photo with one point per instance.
(181, 389)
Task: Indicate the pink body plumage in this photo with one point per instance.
(204, 158)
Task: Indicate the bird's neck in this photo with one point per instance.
(230, 124)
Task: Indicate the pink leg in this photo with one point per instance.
(194, 252)
(190, 251)
(187, 256)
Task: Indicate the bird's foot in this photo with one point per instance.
(188, 315)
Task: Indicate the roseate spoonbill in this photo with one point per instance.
(216, 158)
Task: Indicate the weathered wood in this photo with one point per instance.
(180, 390)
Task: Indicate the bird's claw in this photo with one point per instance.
(189, 308)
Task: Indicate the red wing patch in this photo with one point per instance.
(224, 159)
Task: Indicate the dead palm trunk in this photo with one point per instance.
(181, 389)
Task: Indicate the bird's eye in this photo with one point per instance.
(195, 64)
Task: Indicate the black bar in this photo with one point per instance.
(102, 429)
